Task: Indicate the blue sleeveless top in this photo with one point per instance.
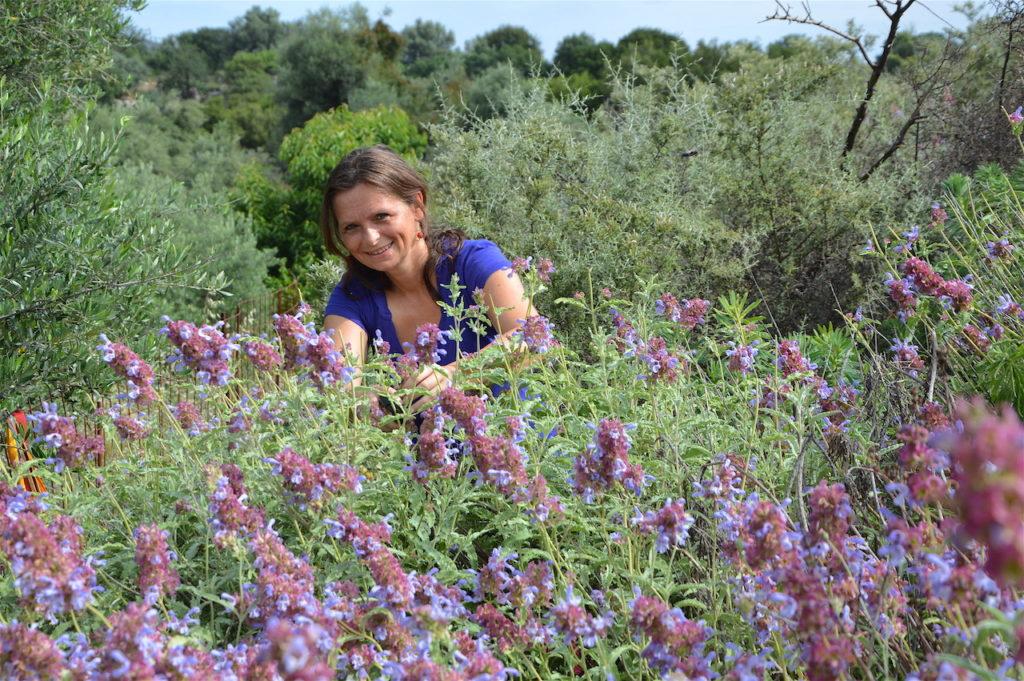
(475, 262)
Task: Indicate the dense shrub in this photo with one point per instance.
(707, 188)
(77, 257)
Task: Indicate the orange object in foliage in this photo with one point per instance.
(17, 426)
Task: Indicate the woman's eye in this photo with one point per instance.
(381, 216)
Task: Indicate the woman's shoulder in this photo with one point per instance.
(479, 259)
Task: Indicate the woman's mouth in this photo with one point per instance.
(381, 251)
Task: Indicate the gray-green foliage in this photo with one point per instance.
(79, 255)
(76, 257)
(602, 195)
(214, 236)
(704, 187)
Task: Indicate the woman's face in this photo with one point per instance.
(378, 228)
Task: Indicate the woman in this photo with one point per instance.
(374, 216)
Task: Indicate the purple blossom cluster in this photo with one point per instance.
(741, 357)
(571, 621)
(435, 452)
(920, 279)
(605, 462)
(671, 523)
(427, 348)
(689, 314)
(537, 333)
(50, 573)
(988, 467)
(157, 577)
(661, 364)
(676, 643)
(130, 367)
(129, 428)
(204, 350)
(58, 433)
(305, 348)
(499, 459)
(229, 515)
(906, 356)
(190, 419)
(263, 355)
(307, 483)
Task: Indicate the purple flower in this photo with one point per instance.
(204, 350)
(741, 357)
(49, 571)
(131, 367)
(58, 433)
(262, 355)
(606, 462)
(189, 418)
(571, 621)
(1016, 117)
(426, 348)
(27, 653)
(671, 523)
(537, 333)
(988, 466)
(306, 483)
(154, 558)
(906, 356)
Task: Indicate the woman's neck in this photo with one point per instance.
(408, 278)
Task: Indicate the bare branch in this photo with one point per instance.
(784, 13)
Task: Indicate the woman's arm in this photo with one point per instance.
(507, 306)
(350, 339)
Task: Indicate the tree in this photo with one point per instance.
(425, 40)
(321, 62)
(248, 103)
(649, 47)
(214, 43)
(709, 60)
(77, 258)
(580, 53)
(504, 44)
(257, 29)
(183, 66)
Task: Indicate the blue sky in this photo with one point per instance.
(551, 20)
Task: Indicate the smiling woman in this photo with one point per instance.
(398, 268)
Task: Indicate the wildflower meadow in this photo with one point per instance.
(690, 496)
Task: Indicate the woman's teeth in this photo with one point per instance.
(381, 251)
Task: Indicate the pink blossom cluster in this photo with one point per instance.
(230, 518)
(920, 278)
(435, 452)
(58, 433)
(741, 357)
(661, 364)
(835, 402)
(263, 355)
(27, 653)
(689, 314)
(998, 250)
(571, 621)
(987, 456)
(204, 350)
(307, 483)
(527, 593)
(537, 333)
(130, 367)
(499, 459)
(671, 523)
(189, 418)
(50, 573)
(907, 358)
(676, 643)
(129, 428)
(427, 346)
(798, 585)
(157, 577)
(304, 347)
(605, 462)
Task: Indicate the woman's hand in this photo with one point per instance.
(432, 379)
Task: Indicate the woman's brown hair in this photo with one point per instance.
(382, 168)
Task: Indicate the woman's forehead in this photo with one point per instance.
(362, 200)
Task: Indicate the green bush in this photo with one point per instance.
(704, 187)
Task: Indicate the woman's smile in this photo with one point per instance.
(383, 250)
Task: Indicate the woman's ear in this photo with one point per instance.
(420, 207)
